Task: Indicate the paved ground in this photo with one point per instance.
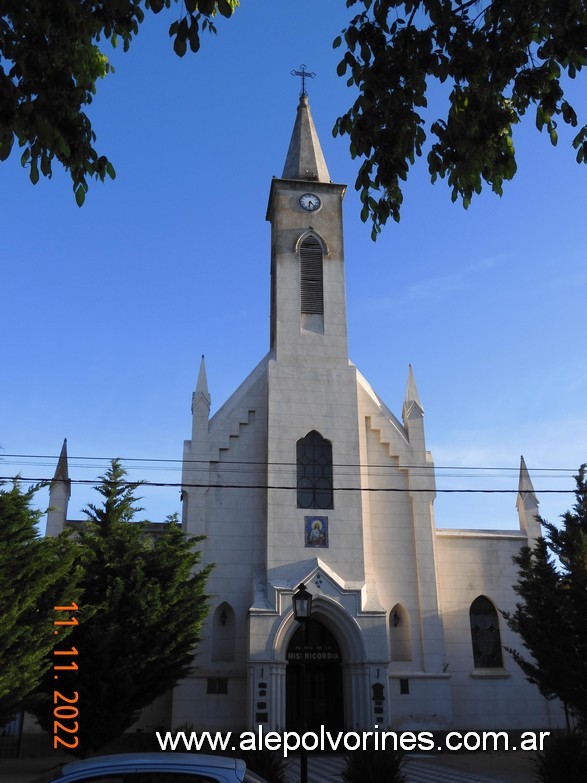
(503, 767)
(455, 768)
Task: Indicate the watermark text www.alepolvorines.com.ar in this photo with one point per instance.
(327, 741)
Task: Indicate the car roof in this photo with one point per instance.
(154, 762)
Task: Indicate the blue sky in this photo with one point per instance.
(105, 310)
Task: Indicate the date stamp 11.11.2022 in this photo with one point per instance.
(65, 709)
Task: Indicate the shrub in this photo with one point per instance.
(269, 764)
(373, 766)
(563, 759)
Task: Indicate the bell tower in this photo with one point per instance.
(308, 307)
(312, 387)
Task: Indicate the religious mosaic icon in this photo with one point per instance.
(316, 531)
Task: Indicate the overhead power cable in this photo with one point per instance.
(180, 485)
(165, 462)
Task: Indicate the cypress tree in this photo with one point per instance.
(144, 606)
(551, 616)
(35, 575)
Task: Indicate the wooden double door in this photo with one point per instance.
(314, 678)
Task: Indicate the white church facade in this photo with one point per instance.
(338, 494)
(305, 476)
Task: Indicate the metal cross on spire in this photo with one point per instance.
(304, 75)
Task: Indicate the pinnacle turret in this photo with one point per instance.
(413, 416)
(527, 504)
(59, 495)
(62, 469)
(201, 402)
(202, 382)
(201, 397)
(412, 396)
(525, 486)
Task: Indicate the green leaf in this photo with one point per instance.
(351, 37)
(194, 37)
(180, 46)
(34, 173)
(45, 165)
(540, 118)
(6, 146)
(110, 170)
(63, 147)
(225, 8)
(206, 7)
(80, 195)
(569, 115)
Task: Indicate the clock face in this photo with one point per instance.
(310, 202)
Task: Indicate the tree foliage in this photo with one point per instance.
(144, 605)
(551, 616)
(498, 58)
(373, 765)
(50, 60)
(35, 575)
(563, 758)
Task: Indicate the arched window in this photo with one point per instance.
(223, 633)
(314, 459)
(311, 278)
(485, 635)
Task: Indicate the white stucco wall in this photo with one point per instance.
(471, 563)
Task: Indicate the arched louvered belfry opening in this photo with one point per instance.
(485, 635)
(312, 285)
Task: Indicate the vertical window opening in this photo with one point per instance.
(485, 635)
(314, 461)
(312, 285)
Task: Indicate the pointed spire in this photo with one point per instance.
(59, 494)
(201, 399)
(62, 469)
(305, 159)
(526, 494)
(412, 396)
(413, 416)
(527, 505)
(202, 383)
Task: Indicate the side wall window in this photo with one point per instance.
(314, 461)
(485, 635)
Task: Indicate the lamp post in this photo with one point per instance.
(302, 609)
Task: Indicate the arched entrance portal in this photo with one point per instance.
(324, 688)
